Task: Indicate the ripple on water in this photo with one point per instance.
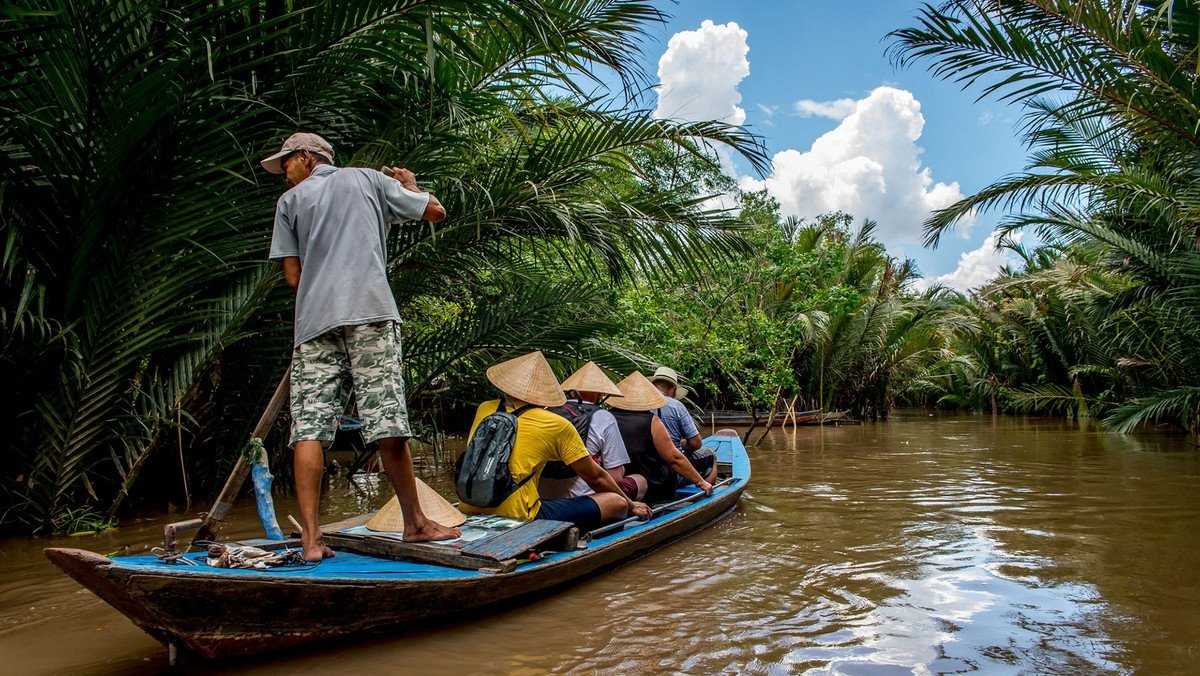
(882, 549)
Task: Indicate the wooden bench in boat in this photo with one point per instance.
(497, 553)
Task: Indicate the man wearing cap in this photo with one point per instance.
(679, 422)
(543, 437)
(586, 389)
(330, 234)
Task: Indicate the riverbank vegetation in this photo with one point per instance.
(146, 331)
(140, 316)
(1105, 317)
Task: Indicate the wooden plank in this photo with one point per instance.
(352, 522)
(220, 509)
(425, 552)
(269, 545)
(517, 541)
(659, 509)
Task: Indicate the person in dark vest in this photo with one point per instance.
(586, 389)
(654, 462)
(543, 437)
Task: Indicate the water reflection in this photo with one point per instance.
(919, 546)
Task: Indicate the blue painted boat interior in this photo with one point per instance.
(351, 566)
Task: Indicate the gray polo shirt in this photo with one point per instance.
(336, 221)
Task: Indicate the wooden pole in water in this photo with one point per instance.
(220, 510)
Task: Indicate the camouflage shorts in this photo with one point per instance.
(364, 360)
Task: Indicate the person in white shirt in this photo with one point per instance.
(586, 389)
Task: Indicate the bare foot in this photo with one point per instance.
(317, 551)
(429, 531)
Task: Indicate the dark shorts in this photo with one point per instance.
(703, 460)
(582, 511)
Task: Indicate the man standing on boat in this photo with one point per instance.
(680, 425)
(330, 234)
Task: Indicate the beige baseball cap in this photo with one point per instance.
(669, 375)
(299, 141)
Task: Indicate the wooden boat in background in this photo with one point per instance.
(377, 585)
(717, 419)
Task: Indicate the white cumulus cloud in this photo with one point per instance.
(834, 110)
(977, 266)
(868, 166)
(769, 111)
(700, 72)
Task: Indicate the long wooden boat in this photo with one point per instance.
(746, 418)
(375, 585)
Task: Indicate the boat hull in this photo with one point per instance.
(221, 613)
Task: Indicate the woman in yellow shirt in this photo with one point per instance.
(543, 436)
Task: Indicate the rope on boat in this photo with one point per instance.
(177, 557)
(250, 452)
(226, 555)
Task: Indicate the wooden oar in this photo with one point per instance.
(241, 469)
(657, 510)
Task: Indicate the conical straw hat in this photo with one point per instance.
(529, 379)
(589, 378)
(390, 519)
(639, 394)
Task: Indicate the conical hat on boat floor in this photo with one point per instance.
(590, 378)
(528, 378)
(639, 394)
(391, 520)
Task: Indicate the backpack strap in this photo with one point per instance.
(517, 414)
(522, 482)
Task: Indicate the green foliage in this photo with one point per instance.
(82, 521)
(136, 306)
(815, 312)
(1105, 319)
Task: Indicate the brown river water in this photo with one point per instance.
(921, 545)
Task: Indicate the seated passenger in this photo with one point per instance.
(586, 389)
(680, 425)
(653, 460)
(541, 437)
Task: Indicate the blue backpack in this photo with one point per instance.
(482, 476)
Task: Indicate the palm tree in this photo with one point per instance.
(1110, 90)
(135, 218)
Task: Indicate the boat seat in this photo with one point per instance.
(488, 543)
(531, 536)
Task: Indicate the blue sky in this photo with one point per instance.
(833, 56)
